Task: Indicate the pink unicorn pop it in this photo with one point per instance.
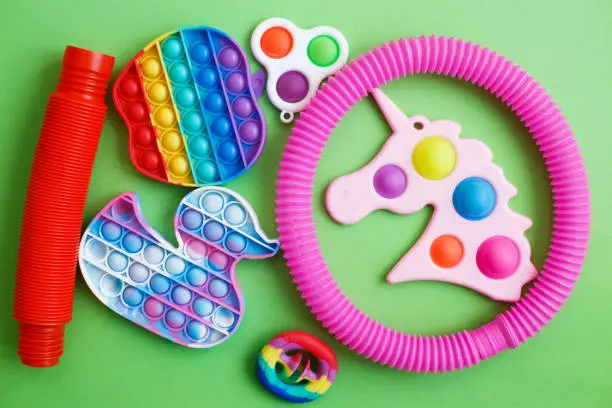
(473, 239)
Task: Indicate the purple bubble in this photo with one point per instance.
(235, 82)
(229, 57)
(214, 231)
(390, 181)
(292, 86)
(174, 319)
(249, 132)
(243, 107)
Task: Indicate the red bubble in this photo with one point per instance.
(144, 136)
(150, 160)
(137, 111)
(129, 88)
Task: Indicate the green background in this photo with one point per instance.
(111, 362)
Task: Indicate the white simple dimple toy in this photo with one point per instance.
(473, 239)
(296, 60)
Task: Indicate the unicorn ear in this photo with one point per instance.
(394, 115)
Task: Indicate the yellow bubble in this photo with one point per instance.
(172, 141)
(178, 165)
(151, 68)
(158, 92)
(434, 158)
(165, 116)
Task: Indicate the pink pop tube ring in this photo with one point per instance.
(571, 202)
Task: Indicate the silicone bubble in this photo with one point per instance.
(185, 98)
(189, 294)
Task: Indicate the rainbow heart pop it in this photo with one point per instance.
(188, 294)
(190, 105)
(473, 238)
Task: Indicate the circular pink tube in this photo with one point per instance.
(571, 201)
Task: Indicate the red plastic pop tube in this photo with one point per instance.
(51, 227)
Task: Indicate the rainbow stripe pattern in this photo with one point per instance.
(297, 366)
(190, 105)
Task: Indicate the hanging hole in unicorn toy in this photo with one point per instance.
(473, 239)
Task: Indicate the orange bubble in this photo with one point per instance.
(446, 251)
(276, 42)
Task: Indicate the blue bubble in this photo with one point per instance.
(474, 198)
(110, 286)
(159, 284)
(235, 242)
(179, 73)
(218, 288)
(95, 249)
(214, 102)
(193, 121)
(221, 126)
(132, 296)
(180, 295)
(203, 307)
(196, 330)
(185, 97)
(212, 202)
(192, 219)
(132, 243)
(224, 318)
(117, 261)
(214, 231)
(199, 146)
(111, 231)
(207, 77)
(207, 171)
(138, 273)
(174, 319)
(153, 254)
(235, 214)
(175, 265)
(228, 151)
(196, 277)
(200, 53)
(172, 48)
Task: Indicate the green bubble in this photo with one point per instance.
(323, 50)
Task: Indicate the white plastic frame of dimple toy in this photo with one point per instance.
(296, 60)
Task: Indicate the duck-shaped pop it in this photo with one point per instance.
(190, 105)
(473, 238)
(188, 294)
